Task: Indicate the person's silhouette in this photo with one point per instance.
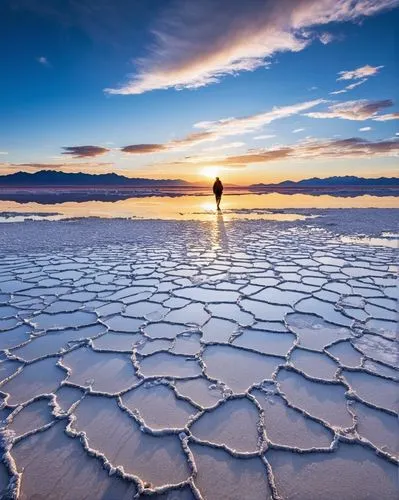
(218, 191)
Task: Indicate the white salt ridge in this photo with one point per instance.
(112, 432)
(159, 407)
(313, 364)
(219, 426)
(237, 368)
(351, 472)
(265, 342)
(168, 365)
(326, 402)
(102, 371)
(40, 377)
(285, 426)
(200, 391)
(44, 455)
(315, 333)
(220, 475)
(55, 342)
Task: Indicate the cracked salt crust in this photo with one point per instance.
(255, 362)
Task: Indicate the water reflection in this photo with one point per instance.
(220, 238)
(193, 207)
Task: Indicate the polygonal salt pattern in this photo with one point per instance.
(258, 363)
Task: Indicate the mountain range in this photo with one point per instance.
(53, 178)
(348, 181)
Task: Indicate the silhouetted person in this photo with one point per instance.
(218, 191)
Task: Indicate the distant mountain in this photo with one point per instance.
(348, 181)
(53, 178)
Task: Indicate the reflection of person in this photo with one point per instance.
(218, 191)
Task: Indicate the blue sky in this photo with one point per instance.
(260, 90)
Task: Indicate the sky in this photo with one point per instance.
(254, 91)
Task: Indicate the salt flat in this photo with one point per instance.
(215, 360)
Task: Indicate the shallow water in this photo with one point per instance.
(188, 360)
(191, 207)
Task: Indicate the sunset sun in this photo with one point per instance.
(210, 172)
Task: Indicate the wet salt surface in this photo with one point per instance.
(241, 360)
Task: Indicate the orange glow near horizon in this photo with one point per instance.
(210, 172)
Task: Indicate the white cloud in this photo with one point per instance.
(350, 87)
(356, 84)
(215, 130)
(199, 42)
(359, 73)
(362, 74)
(365, 129)
(326, 38)
(3, 152)
(265, 136)
(297, 130)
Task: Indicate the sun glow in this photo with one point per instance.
(210, 172)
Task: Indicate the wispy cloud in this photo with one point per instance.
(365, 129)
(297, 130)
(314, 149)
(387, 117)
(349, 87)
(84, 151)
(356, 110)
(215, 130)
(3, 152)
(265, 136)
(197, 43)
(43, 61)
(359, 73)
(362, 74)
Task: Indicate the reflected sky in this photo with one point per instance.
(245, 206)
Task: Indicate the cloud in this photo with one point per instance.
(365, 129)
(297, 130)
(3, 152)
(43, 61)
(359, 73)
(84, 151)
(196, 43)
(266, 136)
(233, 126)
(139, 149)
(350, 87)
(387, 117)
(316, 149)
(355, 110)
(362, 74)
(215, 130)
(326, 38)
